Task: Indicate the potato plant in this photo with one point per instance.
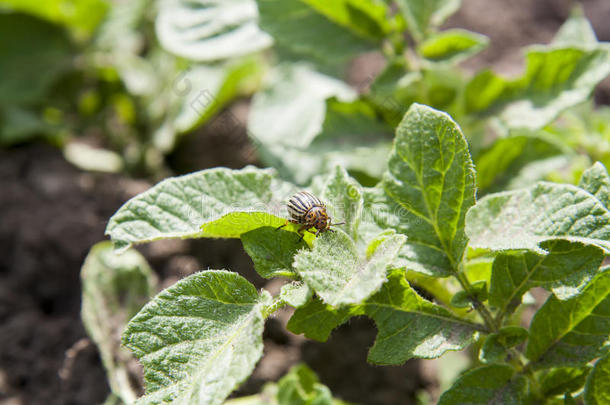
(421, 225)
(463, 197)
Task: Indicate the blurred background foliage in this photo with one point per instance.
(117, 84)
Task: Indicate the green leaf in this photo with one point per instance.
(343, 196)
(316, 320)
(555, 79)
(296, 294)
(495, 348)
(207, 30)
(573, 331)
(423, 16)
(23, 79)
(208, 88)
(115, 287)
(492, 384)
(18, 125)
(81, 16)
(563, 380)
(452, 46)
(337, 273)
(507, 157)
(198, 339)
(216, 203)
(430, 184)
(597, 388)
(409, 326)
(272, 250)
(596, 181)
(329, 47)
(302, 387)
(366, 18)
(462, 299)
(522, 219)
(576, 31)
(513, 274)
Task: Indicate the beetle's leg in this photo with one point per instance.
(281, 226)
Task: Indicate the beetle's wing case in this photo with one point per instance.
(297, 207)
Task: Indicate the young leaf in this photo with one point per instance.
(295, 294)
(367, 18)
(452, 46)
(563, 380)
(198, 339)
(576, 31)
(115, 287)
(334, 270)
(596, 181)
(210, 30)
(506, 157)
(302, 387)
(344, 198)
(492, 384)
(423, 16)
(522, 219)
(462, 299)
(316, 320)
(329, 46)
(555, 79)
(513, 274)
(574, 331)
(409, 326)
(430, 184)
(271, 250)
(597, 387)
(497, 344)
(217, 203)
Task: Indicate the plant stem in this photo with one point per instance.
(478, 305)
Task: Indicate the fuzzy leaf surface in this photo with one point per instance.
(597, 387)
(514, 274)
(216, 203)
(198, 339)
(409, 326)
(429, 186)
(522, 219)
(573, 331)
(596, 181)
(343, 196)
(334, 269)
(115, 287)
(492, 384)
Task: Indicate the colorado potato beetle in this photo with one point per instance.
(309, 211)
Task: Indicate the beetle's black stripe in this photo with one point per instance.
(304, 202)
(296, 209)
(298, 203)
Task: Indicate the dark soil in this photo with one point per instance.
(52, 213)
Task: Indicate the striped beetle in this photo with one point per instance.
(309, 211)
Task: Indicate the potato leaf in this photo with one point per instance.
(573, 331)
(429, 186)
(522, 219)
(338, 274)
(409, 326)
(198, 339)
(115, 287)
(215, 203)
